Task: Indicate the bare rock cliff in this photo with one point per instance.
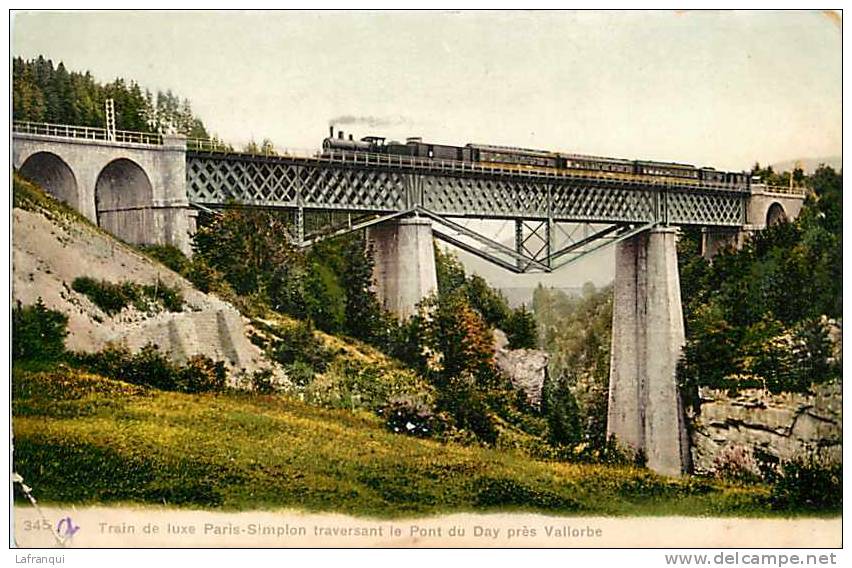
(526, 368)
(754, 421)
(49, 252)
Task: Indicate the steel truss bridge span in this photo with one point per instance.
(558, 217)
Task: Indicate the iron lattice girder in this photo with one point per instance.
(287, 182)
(539, 204)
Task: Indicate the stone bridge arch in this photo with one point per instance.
(775, 214)
(123, 194)
(135, 190)
(767, 207)
(54, 175)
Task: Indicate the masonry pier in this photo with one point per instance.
(645, 409)
(715, 239)
(403, 263)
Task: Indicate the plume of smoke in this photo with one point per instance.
(370, 121)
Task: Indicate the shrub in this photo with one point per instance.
(147, 367)
(351, 383)
(300, 373)
(261, 382)
(736, 463)
(207, 279)
(112, 298)
(168, 255)
(458, 341)
(809, 483)
(151, 367)
(402, 340)
(170, 297)
(412, 416)
(38, 334)
(201, 374)
(299, 343)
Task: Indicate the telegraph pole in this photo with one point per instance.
(110, 119)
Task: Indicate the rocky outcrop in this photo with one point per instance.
(526, 368)
(49, 253)
(754, 422)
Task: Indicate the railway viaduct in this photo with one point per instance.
(148, 189)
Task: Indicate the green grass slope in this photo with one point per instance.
(81, 438)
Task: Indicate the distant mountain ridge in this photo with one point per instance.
(809, 165)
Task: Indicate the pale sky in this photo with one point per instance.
(722, 89)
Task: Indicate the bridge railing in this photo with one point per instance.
(86, 133)
(211, 145)
(780, 189)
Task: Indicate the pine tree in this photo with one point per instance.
(363, 312)
(521, 329)
(66, 106)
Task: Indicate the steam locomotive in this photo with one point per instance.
(502, 156)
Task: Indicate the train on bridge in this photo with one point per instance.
(508, 156)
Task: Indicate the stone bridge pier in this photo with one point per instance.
(136, 191)
(645, 408)
(403, 263)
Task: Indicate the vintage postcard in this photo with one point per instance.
(458, 279)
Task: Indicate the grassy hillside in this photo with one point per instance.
(325, 446)
(81, 438)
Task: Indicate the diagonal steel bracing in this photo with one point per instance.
(517, 268)
(579, 244)
(491, 249)
(598, 241)
(558, 219)
(533, 240)
(352, 227)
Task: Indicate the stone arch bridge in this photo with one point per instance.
(147, 189)
(132, 186)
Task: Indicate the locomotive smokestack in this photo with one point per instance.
(331, 131)
(350, 137)
(340, 135)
